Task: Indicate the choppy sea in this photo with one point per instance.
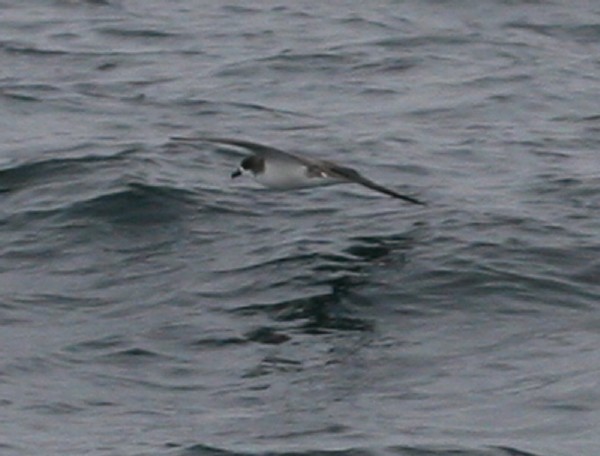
(149, 305)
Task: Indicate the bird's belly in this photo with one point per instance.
(287, 178)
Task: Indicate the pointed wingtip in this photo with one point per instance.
(417, 201)
(412, 200)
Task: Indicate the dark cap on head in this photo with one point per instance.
(252, 163)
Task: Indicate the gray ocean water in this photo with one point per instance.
(149, 305)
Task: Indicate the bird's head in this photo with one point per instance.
(252, 164)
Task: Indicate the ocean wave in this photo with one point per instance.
(405, 450)
(135, 204)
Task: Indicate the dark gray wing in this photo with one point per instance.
(255, 148)
(314, 167)
(352, 175)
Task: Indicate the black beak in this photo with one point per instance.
(236, 173)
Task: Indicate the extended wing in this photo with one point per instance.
(256, 148)
(315, 168)
(354, 176)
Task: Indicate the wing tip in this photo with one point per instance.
(410, 199)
